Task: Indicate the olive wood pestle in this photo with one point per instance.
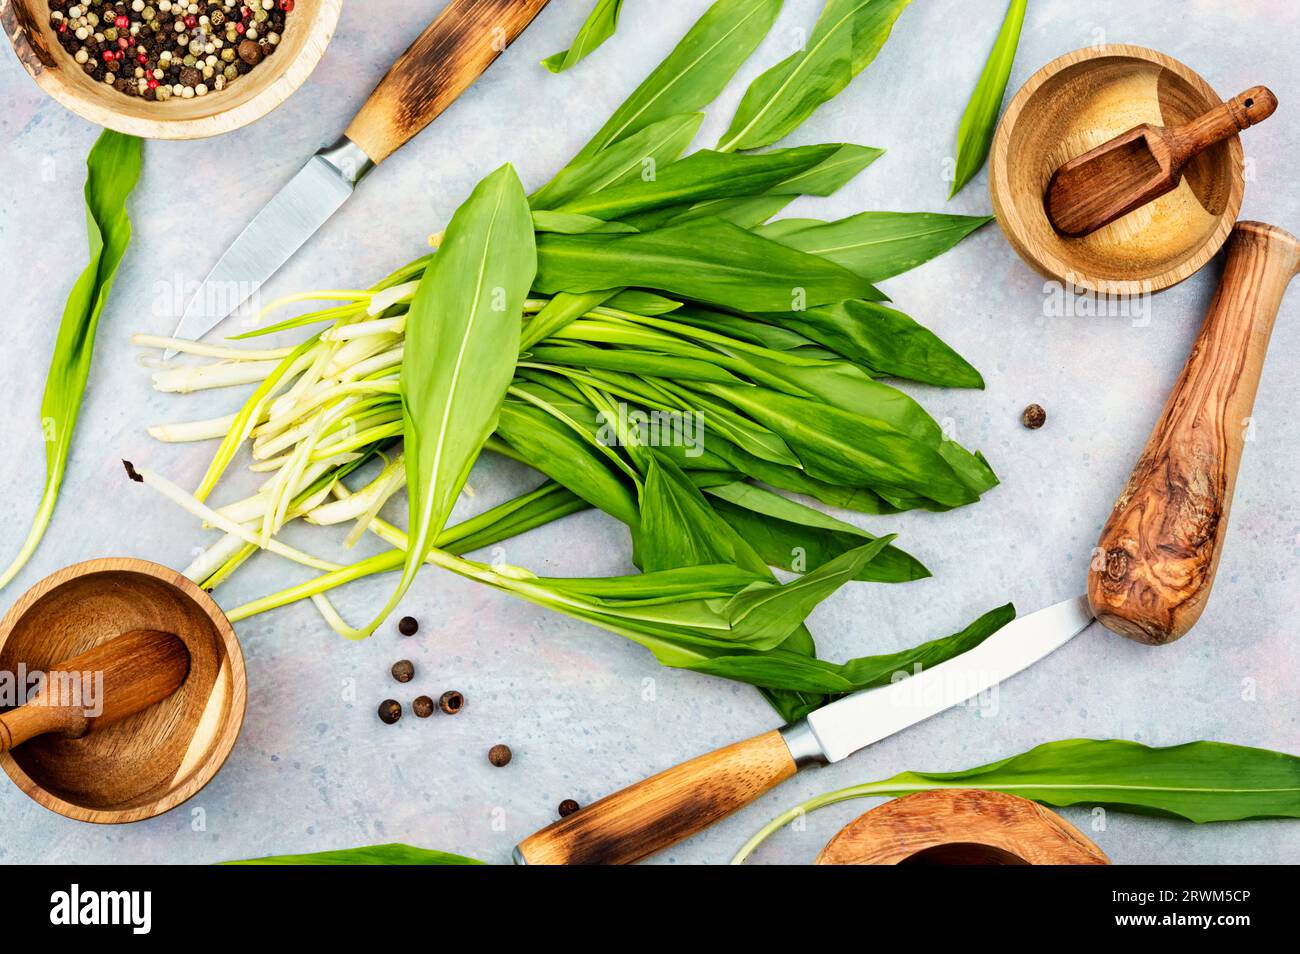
(1154, 565)
(139, 668)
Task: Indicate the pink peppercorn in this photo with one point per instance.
(191, 21)
(239, 28)
(153, 83)
(122, 23)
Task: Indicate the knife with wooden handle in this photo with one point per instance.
(1160, 549)
(451, 53)
(678, 802)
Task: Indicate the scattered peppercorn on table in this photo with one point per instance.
(470, 720)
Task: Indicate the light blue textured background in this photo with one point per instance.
(585, 712)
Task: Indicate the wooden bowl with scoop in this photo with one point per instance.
(141, 693)
(1079, 102)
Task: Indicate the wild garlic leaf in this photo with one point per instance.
(112, 170)
(883, 340)
(556, 450)
(571, 223)
(800, 538)
(393, 854)
(709, 260)
(846, 38)
(702, 175)
(679, 528)
(842, 447)
(640, 154)
(462, 342)
(694, 73)
(1198, 781)
(876, 245)
(779, 668)
(596, 29)
(980, 120)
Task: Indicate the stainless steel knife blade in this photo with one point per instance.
(275, 233)
(842, 727)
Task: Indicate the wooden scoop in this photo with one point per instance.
(1158, 553)
(1143, 164)
(138, 669)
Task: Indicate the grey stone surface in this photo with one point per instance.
(585, 712)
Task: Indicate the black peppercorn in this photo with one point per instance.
(451, 702)
(403, 670)
(568, 807)
(407, 626)
(390, 710)
(1034, 417)
(422, 706)
(499, 755)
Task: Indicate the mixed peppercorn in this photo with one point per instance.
(163, 48)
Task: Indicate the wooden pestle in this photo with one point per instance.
(139, 668)
(1156, 560)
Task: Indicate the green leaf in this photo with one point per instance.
(702, 175)
(394, 854)
(694, 72)
(777, 668)
(883, 340)
(570, 223)
(641, 302)
(112, 170)
(559, 452)
(764, 613)
(1197, 781)
(709, 260)
(847, 37)
(598, 27)
(462, 341)
(799, 538)
(980, 120)
(657, 144)
(749, 211)
(876, 245)
(842, 447)
(679, 528)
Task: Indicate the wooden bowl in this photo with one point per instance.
(149, 762)
(956, 826)
(308, 30)
(1079, 101)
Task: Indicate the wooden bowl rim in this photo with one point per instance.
(1071, 842)
(216, 755)
(321, 32)
(1051, 266)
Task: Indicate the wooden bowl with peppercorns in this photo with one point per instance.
(170, 69)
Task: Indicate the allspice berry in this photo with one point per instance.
(390, 710)
(499, 755)
(250, 52)
(422, 707)
(568, 807)
(1034, 417)
(451, 702)
(403, 670)
(407, 625)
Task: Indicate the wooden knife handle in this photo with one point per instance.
(1157, 556)
(442, 63)
(1220, 123)
(662, 810)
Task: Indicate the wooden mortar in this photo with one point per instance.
(151, 761)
